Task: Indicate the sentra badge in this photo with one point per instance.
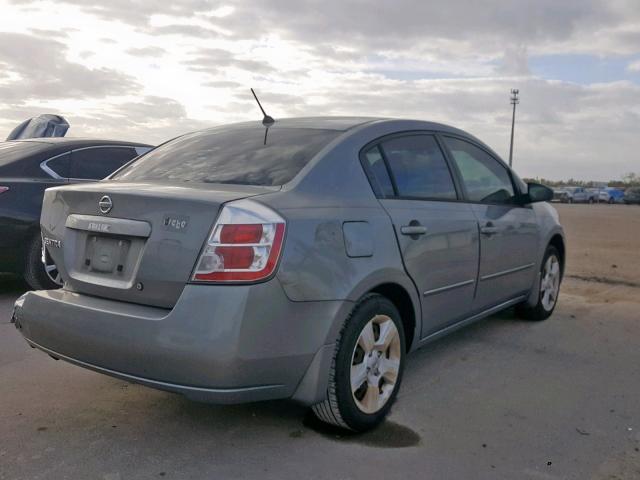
(98, 227)
(51, 242)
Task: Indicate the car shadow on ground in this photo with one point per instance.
(299, 421)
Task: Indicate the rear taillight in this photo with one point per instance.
(244, 245)
(4, 189)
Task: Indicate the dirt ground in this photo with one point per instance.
(502, 399)
(603, 242)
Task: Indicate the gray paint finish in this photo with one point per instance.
(443, 261)
(275, 339)
(215, 338)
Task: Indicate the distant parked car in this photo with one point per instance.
(611, 195)
(579, 195)
(561, 195)
(632, 195)
(27, 168)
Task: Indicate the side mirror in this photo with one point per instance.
(537, 192)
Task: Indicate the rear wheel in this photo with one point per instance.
(367, 366)
(39, 275)
(550, 279)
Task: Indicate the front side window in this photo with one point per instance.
(485, 179)
(419, 167)
(97, 163)
(241, 154)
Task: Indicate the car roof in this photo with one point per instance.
(344, 123)
(80, 142)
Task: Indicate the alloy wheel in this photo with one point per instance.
(550, 283)
(375, 364)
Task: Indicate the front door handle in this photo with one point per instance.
(489, 229)
(413, 230)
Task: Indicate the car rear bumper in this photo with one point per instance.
(220, 344)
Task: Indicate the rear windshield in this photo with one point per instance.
(236, 155)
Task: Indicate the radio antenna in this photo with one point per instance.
(267, 120)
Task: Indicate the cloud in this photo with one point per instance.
(634, 66)
(151, 120)
(146, 51)
(216, 60)
(184, 30)
(405, 58)
(44, 72)
(515, 62)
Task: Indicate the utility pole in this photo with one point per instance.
(514, 101)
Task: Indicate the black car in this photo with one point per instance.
(27, 168)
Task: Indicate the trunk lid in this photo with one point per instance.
(134, 242)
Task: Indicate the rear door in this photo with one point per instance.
(437, 234)
(508, 230)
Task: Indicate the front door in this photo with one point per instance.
(508, 231)
(437, 234)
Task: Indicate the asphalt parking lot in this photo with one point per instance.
(502, 399)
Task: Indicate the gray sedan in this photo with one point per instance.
(303, 259)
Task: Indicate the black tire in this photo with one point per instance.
(570, 200)
(34, 272)
(339, 408)
(611, 201)
(590, 200)
(539, 312)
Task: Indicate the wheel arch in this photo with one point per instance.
(558, 242)
(401, 299)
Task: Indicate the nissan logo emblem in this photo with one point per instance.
(105, 204)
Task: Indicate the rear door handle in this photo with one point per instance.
(413, 230)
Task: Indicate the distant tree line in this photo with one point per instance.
(630, 179)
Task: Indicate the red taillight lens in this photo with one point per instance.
(241, 233)
(244, 245)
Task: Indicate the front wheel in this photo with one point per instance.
(367, 367)
(550, 278)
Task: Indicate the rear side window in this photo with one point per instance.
(97, 163)
(485, 179)
(242, 154)
(419, 167)
(377, 172)
(60, 165)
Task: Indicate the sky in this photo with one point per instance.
(149, 71)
